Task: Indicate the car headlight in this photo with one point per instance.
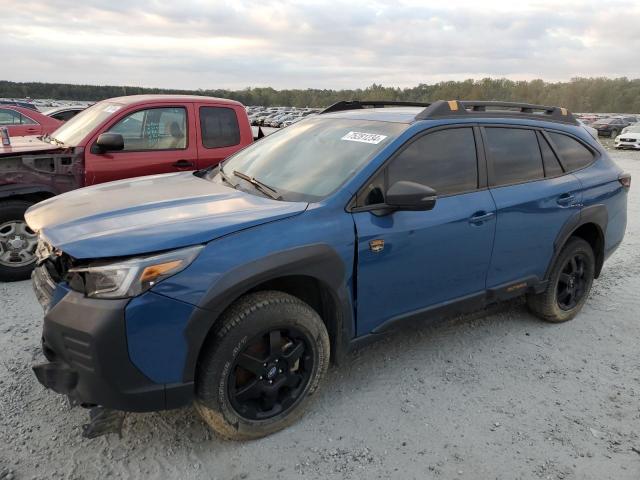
(131, 277)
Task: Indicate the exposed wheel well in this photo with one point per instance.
(34, 197)
(314, 293)
(592, 233)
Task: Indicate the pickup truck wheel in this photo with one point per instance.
(259, 370)
(569, 283)
(17, 242)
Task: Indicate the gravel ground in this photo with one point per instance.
(504, 396)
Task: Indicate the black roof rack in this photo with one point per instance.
(360, 104)
(494, 109)
(457, 108)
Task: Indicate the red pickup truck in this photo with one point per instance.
(113, 139)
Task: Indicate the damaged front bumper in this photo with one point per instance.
(85, 342)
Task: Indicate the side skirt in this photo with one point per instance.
(442, 311)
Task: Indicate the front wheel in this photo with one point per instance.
(569, 283)
(17, 242)
(259, 370)
(614, 134)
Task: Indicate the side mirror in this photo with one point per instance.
(406, 195)
(109, 142)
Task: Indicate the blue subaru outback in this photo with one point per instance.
(233, 288)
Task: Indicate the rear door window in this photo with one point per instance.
(514, 155)
(219, 127)
(573, 155)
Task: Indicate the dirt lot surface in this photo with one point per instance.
(504, 396)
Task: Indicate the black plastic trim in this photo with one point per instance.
(318, 261)
(466, 304)
(360, 104)
(596, 214)
(88, 337)
(478, 109)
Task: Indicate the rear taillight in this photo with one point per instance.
(625, 180)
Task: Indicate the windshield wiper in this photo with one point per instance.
(263, 187)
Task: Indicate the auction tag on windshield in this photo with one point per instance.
(112, 108)
(364, 137)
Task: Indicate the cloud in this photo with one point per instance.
(293, 44)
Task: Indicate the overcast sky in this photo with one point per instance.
(332, 44)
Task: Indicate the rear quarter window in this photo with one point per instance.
(573, 154)
(219, 127)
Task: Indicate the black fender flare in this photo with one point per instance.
(14, 189)
(595, 214)
(318, 261)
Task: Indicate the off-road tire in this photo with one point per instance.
(14, 210)
(247, 317)
(545, 304)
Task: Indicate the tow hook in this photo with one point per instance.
(103, 421)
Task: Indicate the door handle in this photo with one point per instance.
(480, 217)
(184, 164)
(566, 199)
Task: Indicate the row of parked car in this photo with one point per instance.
(278, 117)
(24, 117)
(21, 117)
(624, 129)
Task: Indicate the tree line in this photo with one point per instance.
(620, 95)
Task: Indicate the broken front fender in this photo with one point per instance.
(55, 171)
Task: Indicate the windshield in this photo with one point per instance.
(309, 160)
(74, 130)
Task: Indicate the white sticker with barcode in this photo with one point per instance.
(364, 137)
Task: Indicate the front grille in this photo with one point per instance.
(631, 140)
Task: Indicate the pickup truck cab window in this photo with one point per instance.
(309, 160)
(219, 127)
(153, 129)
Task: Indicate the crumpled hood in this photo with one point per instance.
(149, 214)
(30, 144)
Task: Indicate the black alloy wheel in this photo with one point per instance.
(270, 374)
(572, 282)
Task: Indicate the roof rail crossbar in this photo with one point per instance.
(360, 104)
(455, 108)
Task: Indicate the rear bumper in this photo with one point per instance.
(86, 344)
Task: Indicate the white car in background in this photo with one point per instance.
(629, 138)
(591, 130)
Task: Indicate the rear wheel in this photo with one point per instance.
(258, 372)
(614, 134)
(569, 283)
(17, 242)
